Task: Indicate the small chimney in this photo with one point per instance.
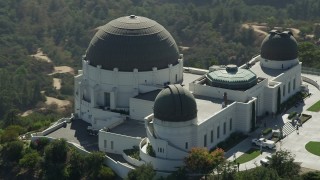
(225, 98)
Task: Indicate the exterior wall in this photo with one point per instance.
(288, 77)
(116, 143)
(278, 64)
(168, 149)
(158, 164)
(270, 98)
(176, 134)
(216, 92)
(140, 108)
(244, 116)
(212, 124)
(93, 83)
(239, 96)
(127, 83)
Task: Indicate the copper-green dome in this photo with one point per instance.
(175, 104)
(132, 42)
(279, 46)
(232, 78)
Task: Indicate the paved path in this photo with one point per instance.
(295, 143)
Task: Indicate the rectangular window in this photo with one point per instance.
(105, 144)
(294, 83)
(186, 145)
(107, 99)
(111, 144)
(289, 87)
(224, 128)
(218, 132)
(211, 137)
(230, 124)
(205, 141)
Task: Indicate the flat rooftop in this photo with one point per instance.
(151, 96)
(266, 72)
(188, 78)
(131, 128)
(208, 106)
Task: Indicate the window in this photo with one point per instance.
(176, 77)
(105, 144)
(230, 124)
(211, 137)
(107, 99)
(289, 87)
(186, 145)
(218, 132)
(111, 144)
(224, 128)
(294, 84)
(205, 140)
(284, 90)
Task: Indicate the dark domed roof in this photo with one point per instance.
(175, 104)
(232, 78)
(279, 46)
(132, 42)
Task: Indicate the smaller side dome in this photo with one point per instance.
(279, 46)
(175, 104)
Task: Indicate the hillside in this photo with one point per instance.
(207, 32)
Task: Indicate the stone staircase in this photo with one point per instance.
(288, 128)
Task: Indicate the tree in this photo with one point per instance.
(144, 172)
(260, 173)
(93, 163)
(200, 160)
(31, 160)
(76, 169)
(283, 162)
(313, 175)
(56, 151)
(12, 151)
(105, 173)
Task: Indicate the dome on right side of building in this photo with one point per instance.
(279, 46)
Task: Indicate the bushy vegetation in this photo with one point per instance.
(292, 115)
(50, 160)
(150, 150)
(266, 131)
(231, 141)
(134, 152)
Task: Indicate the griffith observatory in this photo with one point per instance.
(134, 90)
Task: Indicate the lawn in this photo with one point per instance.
(248, 156)
(313, 147)
(315, 107)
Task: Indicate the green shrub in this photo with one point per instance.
(231, 141)
(105, 173)
(134, 153)
(292, 115)
(266, 131)
(150, 150)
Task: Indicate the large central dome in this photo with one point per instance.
(132, 42)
